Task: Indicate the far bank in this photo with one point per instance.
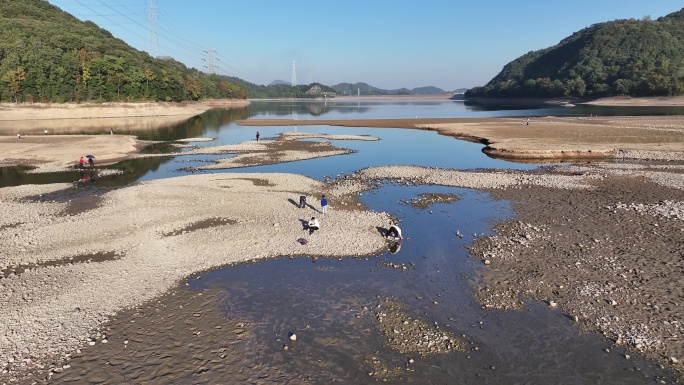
(613, 101)
(31, 118)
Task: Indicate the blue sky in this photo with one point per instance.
(387, 43)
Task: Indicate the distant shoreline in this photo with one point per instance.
(32, 118)
(613, 101)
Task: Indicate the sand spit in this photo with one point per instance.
(54, 153)
(544, 138)
(287, 147)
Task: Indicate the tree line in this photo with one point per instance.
(624, 57)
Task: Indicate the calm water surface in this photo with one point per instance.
(320, 301)
(535, 345)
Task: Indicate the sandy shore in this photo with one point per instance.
(68, 118)
(51, 153)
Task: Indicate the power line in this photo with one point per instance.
(158, 19)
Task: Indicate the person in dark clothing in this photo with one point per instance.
(258, 135)
(91, 162)
(394, 232)
(302, 201)
(324, 205)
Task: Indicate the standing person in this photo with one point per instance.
(324, 205)
(302, 201)
(46, 131)
(313, 225)
(258, 135)
(91, 162)
(394, 232)
(81, 162)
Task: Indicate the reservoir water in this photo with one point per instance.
(318, 301)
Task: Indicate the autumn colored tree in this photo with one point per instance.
(14, 78)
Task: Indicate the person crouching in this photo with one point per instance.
(313, 225)
(394, 232)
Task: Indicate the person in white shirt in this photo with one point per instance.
(313, 225)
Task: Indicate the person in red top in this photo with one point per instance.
(80, 162)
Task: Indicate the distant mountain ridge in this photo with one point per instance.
(367, 89)
(279, 82)
(623, 57)
(361, 88)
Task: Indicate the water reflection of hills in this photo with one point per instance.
(313, 108)
(197, 126)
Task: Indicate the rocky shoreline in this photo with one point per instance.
(610, 256)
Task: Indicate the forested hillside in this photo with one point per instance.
(47, 55)
(624, 57)
(282, 91)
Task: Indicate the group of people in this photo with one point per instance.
(393, 233)
(314, 224)
(81, 166)
(91, 162)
